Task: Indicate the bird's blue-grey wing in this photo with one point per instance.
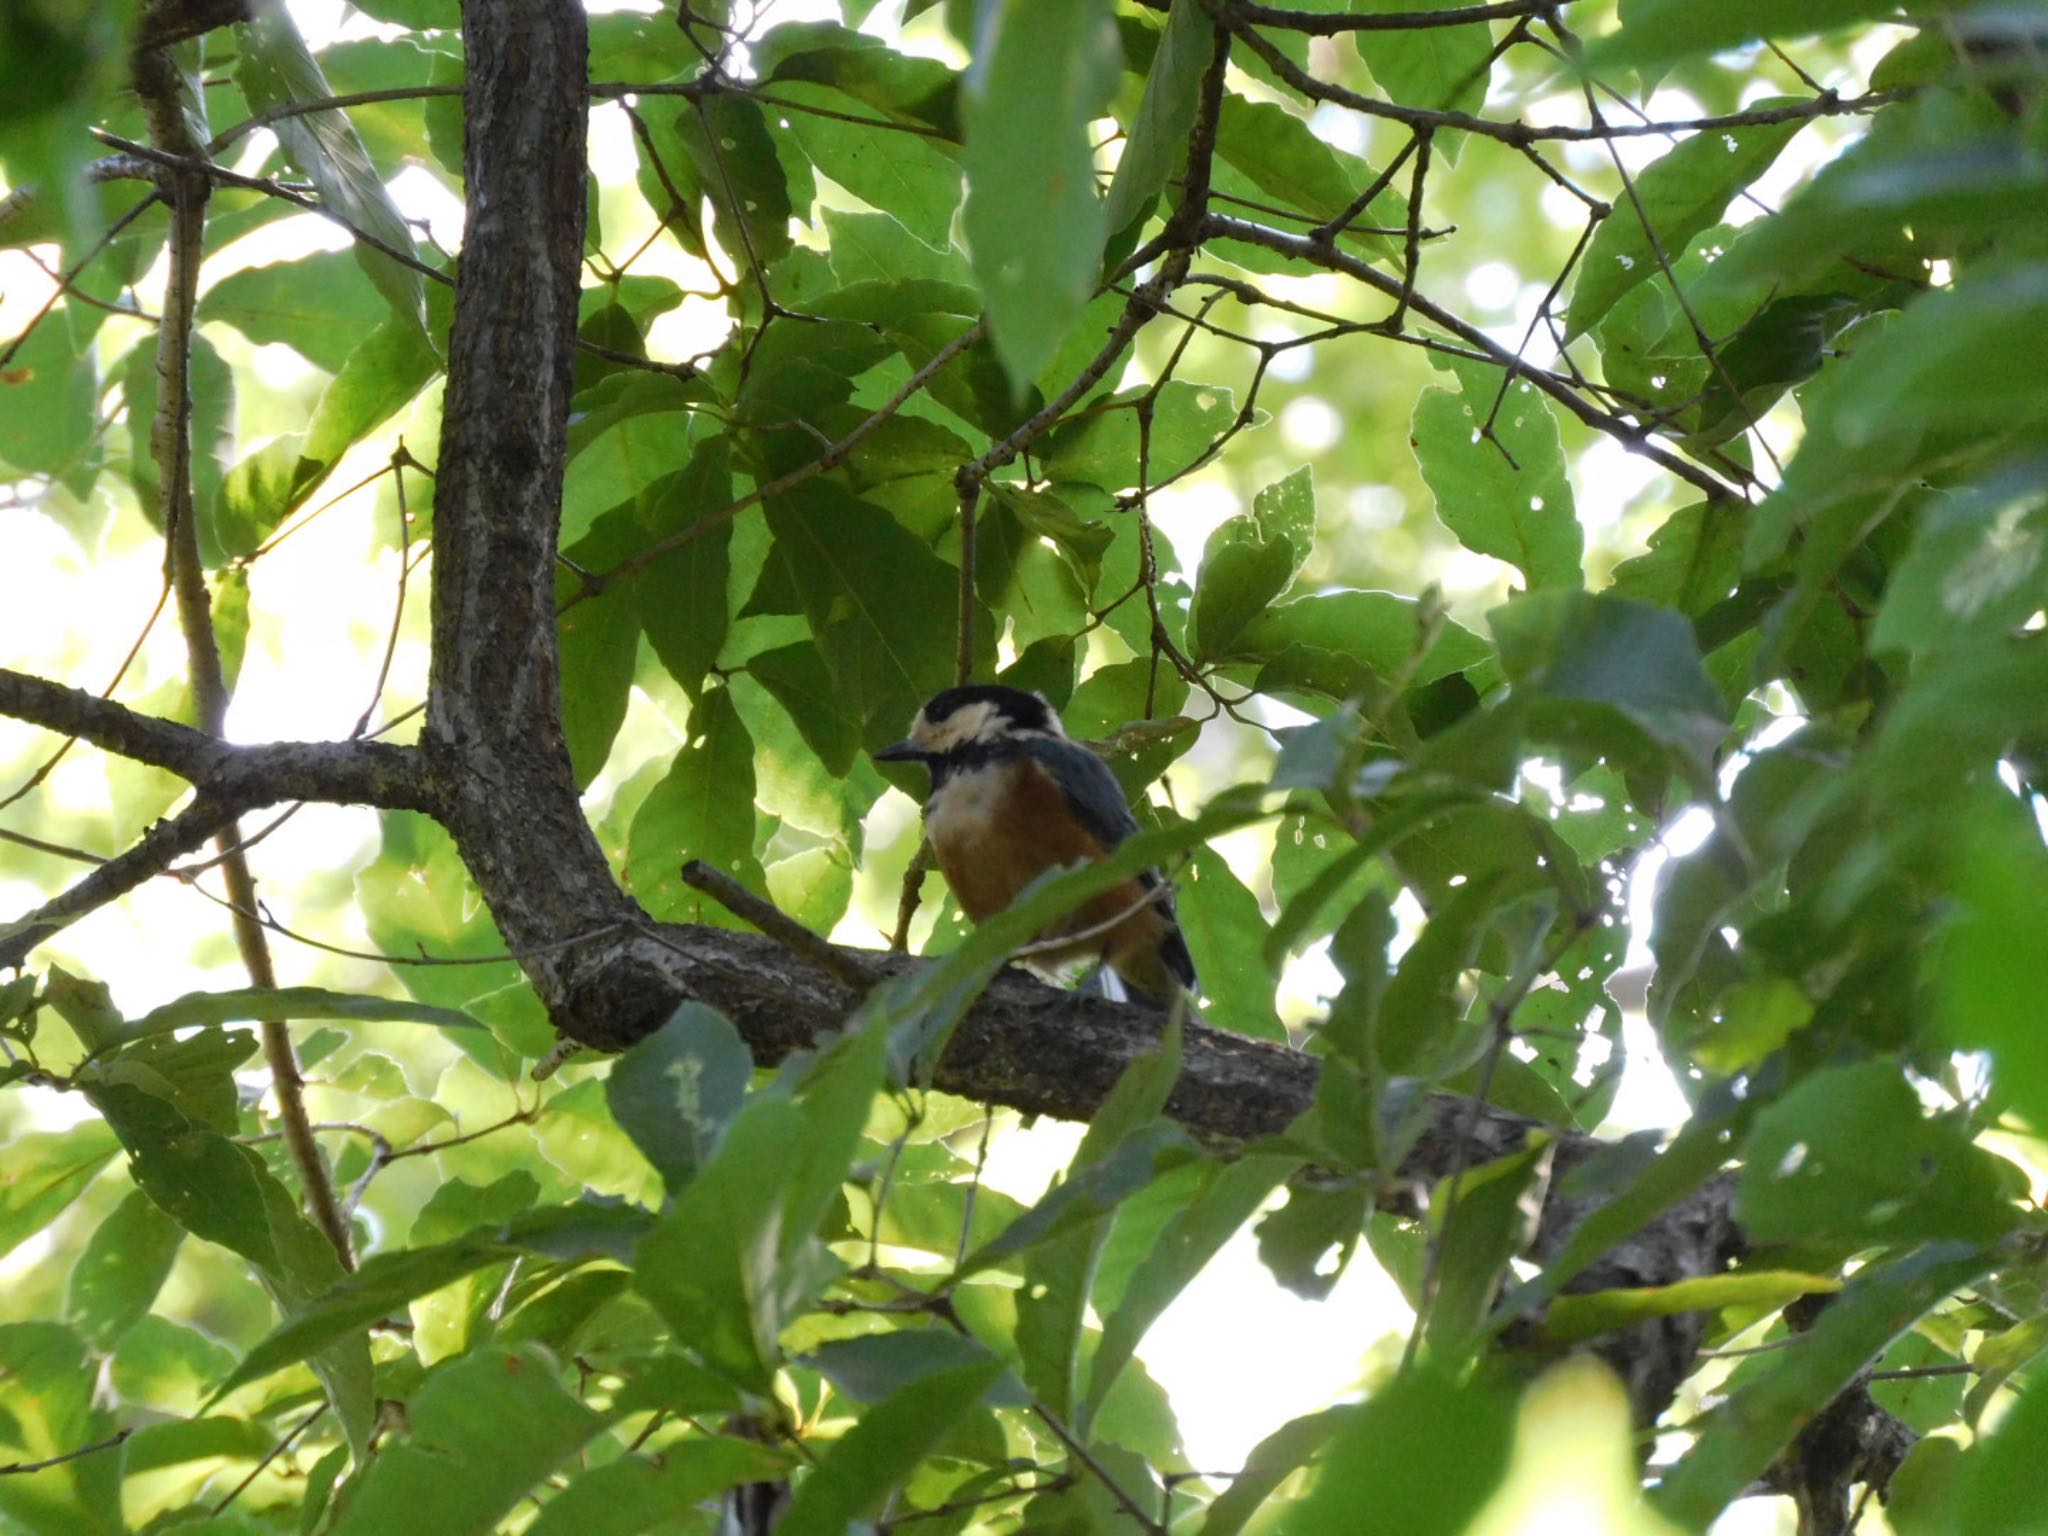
(1091, 789)
(1099, 804)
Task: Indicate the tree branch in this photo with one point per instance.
(168, 840)
(246, 777)
(1239, 20)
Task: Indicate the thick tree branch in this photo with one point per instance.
(244, 777)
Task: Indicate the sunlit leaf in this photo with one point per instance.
(1034, 222)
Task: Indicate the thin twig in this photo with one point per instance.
(908, 898)
(777, 924)
(276, 1451)
(23, 1468)
(159, 86)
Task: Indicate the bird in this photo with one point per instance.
(1012, 795)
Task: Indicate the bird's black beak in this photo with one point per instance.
(901, 752)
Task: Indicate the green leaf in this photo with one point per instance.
(1227, 934)
(123, 1266)
(1062, 1237)
(1641, 663)
(897, 84)
(260, 492)
(875, 248)
(635, 430)
(682, 594)
(1158, 137)
(1388, 634)
(1847, 1153)
(1382, 1472)
(1932, 174)
(1425, 1026)
(1102, 447)
(1745, 1434)
(736, 1254)
(703, 808)
(814, 886)
(44, 1171)
(220, 1190)
(1753, 1019)
(417, 897)
(290, 1004)
(386, 369)
(46, 1408)
(276, 70)
(1249, 561)
(386, 1282)
(882, 606)
(642, 1493)
(675, 1091)
(1084, 539)
(318, 305)
(1694, 560)
(1270, 1463)
(597, 638)
(798, 372)
(1679, 195)
(1658, 33)
(1044, 71)
(2000, 1493)
(1441, 69)
(1506, 494)
(728, 143)
(1979, 564)
(1279, 155)
(1309, 1240)
(852, 1479)
(1490, 1222)
(871, 1367)
(1229, 1197)
(484, 1430)
(46, 402)
(1987, 960)
(801, 682)
(1574, 1318)
(907, 174)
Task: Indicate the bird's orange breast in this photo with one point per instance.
(996, 829)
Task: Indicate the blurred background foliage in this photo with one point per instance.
(1631, 808)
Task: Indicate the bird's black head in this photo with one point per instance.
(962, 721)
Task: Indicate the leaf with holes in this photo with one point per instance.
(1675, 198)
(1492, 456)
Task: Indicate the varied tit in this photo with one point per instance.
(1012, 796)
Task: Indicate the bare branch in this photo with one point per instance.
(777, 924)
(22, 1468)
(246, 777)
(160, 845)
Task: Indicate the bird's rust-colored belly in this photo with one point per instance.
(996, 829)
